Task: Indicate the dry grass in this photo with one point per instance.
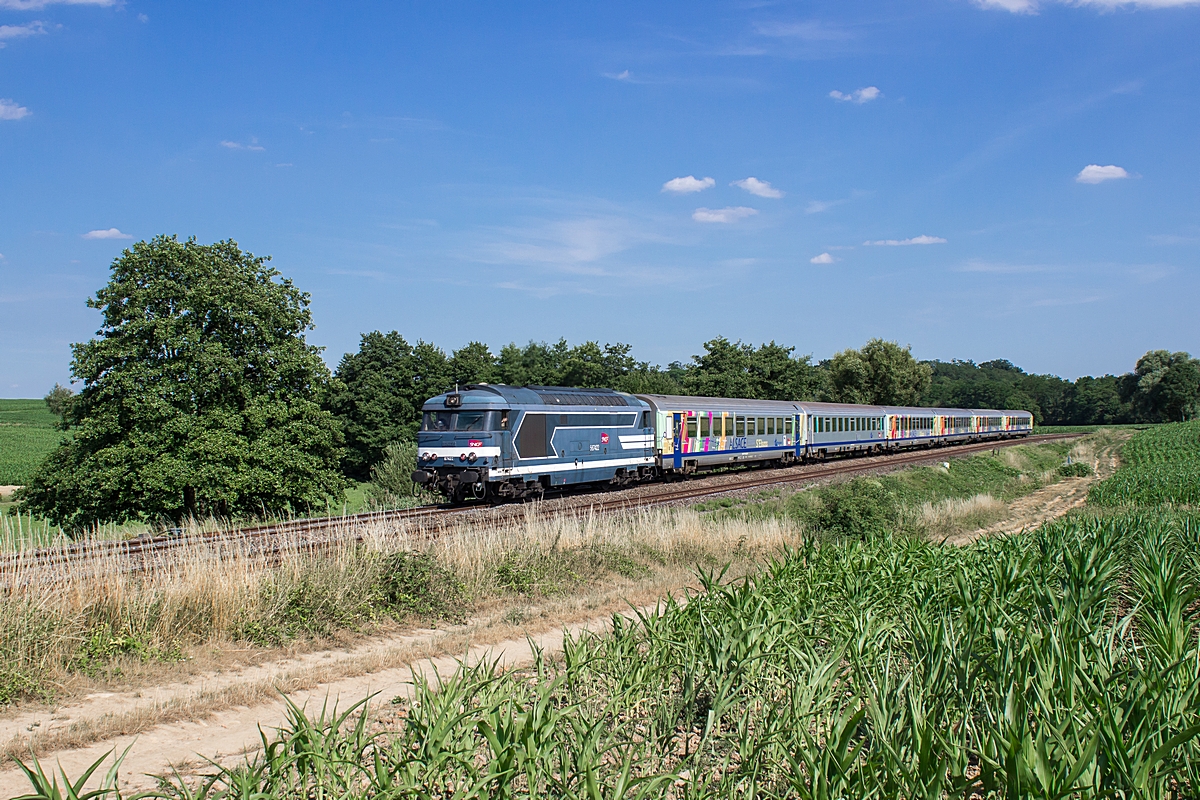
(944, 518)
(99, 617)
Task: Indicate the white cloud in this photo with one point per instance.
(824, 258)
(34, 5)
(900, 242)
(756, 187)
(728, 214)
(1015, 6)
(109, 233)
(1094, 173)
(34, 28)
(1031, 6)
(860, 96)
(254, 145)
(688, 185)
(10, 110)
(618, 76)
(819, 206)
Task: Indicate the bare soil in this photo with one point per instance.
(1053, 501)
(217, 715)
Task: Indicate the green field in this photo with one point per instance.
(27, 436)
(1160, 465)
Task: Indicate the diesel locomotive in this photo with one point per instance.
(511, 442)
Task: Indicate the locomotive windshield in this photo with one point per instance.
(464, 421)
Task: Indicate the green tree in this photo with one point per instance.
(200, 395)
(881, 373)
(372, 397)
(59, 401)
(472, 363)
(1163, 387)
(723, 370)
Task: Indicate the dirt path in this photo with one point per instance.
(190, 742)
(1049, 502)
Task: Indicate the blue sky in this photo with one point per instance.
(1005, 179)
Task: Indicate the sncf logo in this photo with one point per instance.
(475, 443)
(604, 438)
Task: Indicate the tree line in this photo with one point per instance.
(201, 396)
(378, 391)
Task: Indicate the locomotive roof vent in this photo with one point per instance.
(568, 396)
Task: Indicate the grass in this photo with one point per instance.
(937, 501)
(1059, 664)
(101, 621)
(27, 436)
(856, 663)
(1160, 465)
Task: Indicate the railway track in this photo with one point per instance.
(270, 541)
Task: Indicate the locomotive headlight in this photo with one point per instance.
(471, 458)
(462, 456)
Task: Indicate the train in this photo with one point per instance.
(497, 442)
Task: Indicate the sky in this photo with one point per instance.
(978, 179)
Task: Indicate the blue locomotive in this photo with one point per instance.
(515, 442)
(495, 442)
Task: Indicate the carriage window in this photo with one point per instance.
(770, 426)
(788, 426)
(703, 426)
(762, 425)
(691, 428)
(741, 426)
(779, 426)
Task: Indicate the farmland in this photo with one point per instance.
(1160, 465)
(27, 435)
(1058, 664)
(853, 662)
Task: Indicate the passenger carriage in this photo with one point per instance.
(839, 428)
(696, 433)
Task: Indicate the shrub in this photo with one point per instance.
(1076, 469)
(391, 478)
(856, 508)
(414, 584)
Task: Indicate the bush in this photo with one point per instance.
(1076, 469)
(414, 584)
(391, 478)
(856, 508)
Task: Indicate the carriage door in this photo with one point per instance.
(677, 449)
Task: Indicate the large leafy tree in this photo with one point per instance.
(372, 397)
(1164, 387)
(735, 369)
(200, 395)
(882, 373)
